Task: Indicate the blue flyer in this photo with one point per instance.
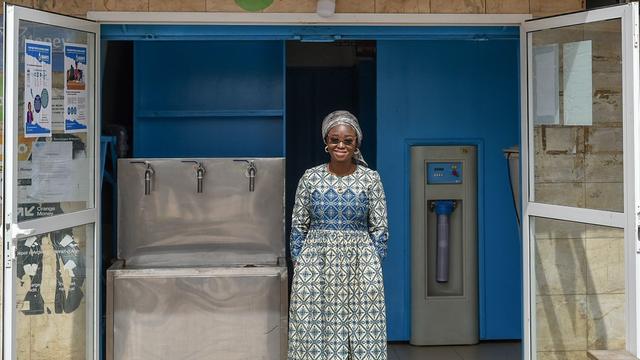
(37, 90)
(75, 88)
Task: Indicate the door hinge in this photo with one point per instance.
(638, 233)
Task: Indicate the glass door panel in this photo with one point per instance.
(579, 288)
(577, 116)
(50, 203)
(581, 183)
(52, 292)
(55, 116)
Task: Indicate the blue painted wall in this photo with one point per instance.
(442, 92)
(208, 98)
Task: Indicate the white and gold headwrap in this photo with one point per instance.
(342, 117)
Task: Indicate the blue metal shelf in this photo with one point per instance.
(208, 99)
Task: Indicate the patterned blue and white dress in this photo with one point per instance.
(338, 239)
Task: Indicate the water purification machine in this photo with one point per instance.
(444, 300)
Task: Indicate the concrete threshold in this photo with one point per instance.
(610, 355)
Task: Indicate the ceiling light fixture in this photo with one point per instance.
(326, 8)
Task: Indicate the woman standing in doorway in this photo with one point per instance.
(338, 240)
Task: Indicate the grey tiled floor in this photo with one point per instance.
(483, 351)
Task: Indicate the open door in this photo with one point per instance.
(51, 191)
(580, 183)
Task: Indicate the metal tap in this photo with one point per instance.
(148, 175)
(200, 171)
(252, 176)
(252, 170)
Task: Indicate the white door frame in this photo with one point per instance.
(15, 230)
(628, 220)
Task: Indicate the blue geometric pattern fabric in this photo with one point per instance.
(328, 202)
(338, 239)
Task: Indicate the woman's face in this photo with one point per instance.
(342, 142)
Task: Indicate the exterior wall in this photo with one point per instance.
(55, 342)
(535, 7)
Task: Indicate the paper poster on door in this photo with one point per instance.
(578, 83)
(42, 286)
(75, 88)
(546, 88)
(37, 89)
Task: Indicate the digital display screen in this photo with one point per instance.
(444, 173)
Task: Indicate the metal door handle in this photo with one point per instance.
(10, 250)
(17, 231)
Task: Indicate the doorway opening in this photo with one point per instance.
(322, 77)
(268, 97)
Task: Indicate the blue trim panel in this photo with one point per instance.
(306, 33)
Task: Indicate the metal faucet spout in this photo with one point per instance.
(252, 170)
(252, 176)
(200, 171)
(148, 175)
(200, 177)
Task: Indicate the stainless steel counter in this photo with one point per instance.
(201, 273)
(197, 313)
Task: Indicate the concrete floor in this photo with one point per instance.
(484, 351)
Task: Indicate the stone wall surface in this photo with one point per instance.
(535, 7)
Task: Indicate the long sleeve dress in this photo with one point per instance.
(338, 240)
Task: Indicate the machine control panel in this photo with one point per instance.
(444, 173)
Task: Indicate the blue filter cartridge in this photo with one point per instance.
(443, 209)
